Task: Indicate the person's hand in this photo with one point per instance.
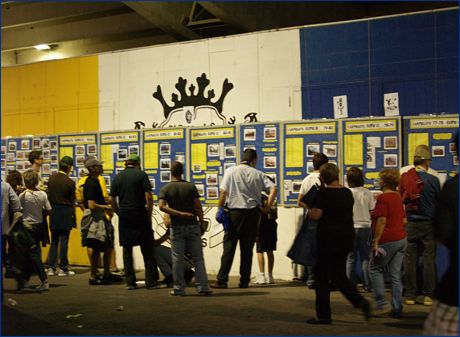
(264, 210)
(188, 215)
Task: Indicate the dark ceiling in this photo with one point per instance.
(83, 28)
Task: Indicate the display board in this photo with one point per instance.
(161, 148)
(371, 144)
(79, 147)
(15, 154)
(115, 148)
(212, 150)
(265, 138)
(301, 141)
(438, 133)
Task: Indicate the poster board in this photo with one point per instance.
(438, 133)
(15, 154)
(301, 141)
(79, 147)
(161, 147)
(371, 144)
(114, 150)
(212, 150)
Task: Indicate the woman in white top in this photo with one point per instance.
(34, 202)
(364, 203)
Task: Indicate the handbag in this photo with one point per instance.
(223, 217)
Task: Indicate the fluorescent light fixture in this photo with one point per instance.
(43, 47)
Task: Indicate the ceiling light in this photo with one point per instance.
(43, 47)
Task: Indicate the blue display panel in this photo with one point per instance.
(265, 139)
(371, 144)
(15, 154)
(79, 147)
(212, 150)
(115, 148)
(161, 148)
(302, 140)
(438, 134)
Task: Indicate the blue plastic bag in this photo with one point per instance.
(223, 217)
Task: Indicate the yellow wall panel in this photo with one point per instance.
(62, 79)
(87, 119)
(89, 81)
(32, 87)
(10, 90)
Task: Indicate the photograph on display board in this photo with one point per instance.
(27, 165)
(296, 186)
(249, 135)
(180, 158)
(92, 149)
(46, 143)
(390, 143)
(10, 156)
(107, 180)
(213, 150)
(152, 183)
(196, 168)
(165, 176)
(330, 150)
(200, 189)
(46, 168)
(118, 170)
(390, 160)
(54, 170)
(11, 146)
(452, 148)
(10, 168)
(80, 160)
(272, 176)
(228, 165)
(46, 154)
(212, 193)
(3, 149)
(25, 144)
(165, 149)
(21, 155)
(165, 163)
(211, 179)
(122, 154)
(20, 166)
(270, 162)
(36, 143)
(438, 151)
(53, 145)
(133, 149)
(269, 133)
(230, 151)
(312, 148)
(80, 150)
(81, 172)
(310, 167)
(54, 158)
(455, 160)
(3, 164)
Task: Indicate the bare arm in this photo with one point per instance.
(300, 203)
(379, 227)
(271, 199)
(114, 203)
(149, 203)
(315, 213)
(222, 198)
(171, 211)
(93, 206)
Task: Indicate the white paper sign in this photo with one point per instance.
(391, 104)
(340, 106)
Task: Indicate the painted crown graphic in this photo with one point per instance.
(192, 99)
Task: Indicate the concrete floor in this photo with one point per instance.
(279, 309)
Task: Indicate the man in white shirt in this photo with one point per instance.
(241, 189)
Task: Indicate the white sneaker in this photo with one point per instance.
(260, 278)
(66, 273)
(45, 286)
(270, 279)
(51, 272)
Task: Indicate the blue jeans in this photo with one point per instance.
(362, 248)
(59, 238)
(187, 237)
(393, 260)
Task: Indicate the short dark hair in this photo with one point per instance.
(249, 155)
(177, 169)
(63, 166)
(34, 155)
(319, 159)
(14, 178)
(390, 178)
(131, 162)
(329, 172)
(355, 177)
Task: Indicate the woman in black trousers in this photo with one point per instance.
(333, 209)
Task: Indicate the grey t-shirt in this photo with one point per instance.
(180, 195)
(33, 204)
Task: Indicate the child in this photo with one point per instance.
(266, 242)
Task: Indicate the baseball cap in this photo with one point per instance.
(422, 152)
(67, 160)
(134, 157)
(92, 161)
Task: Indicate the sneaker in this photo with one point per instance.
(270, 279)
(260, 278)
(157, 285)
(427, 301)
(177, 293)
(113, 278)
(385, 312)
(409, 300)
(218, 285)
(51, 272)
(45, 286)
(66, 273)
(205, 292)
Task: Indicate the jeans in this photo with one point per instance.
(243, 229)
(151, 272)
(420, 234)
(163, 256)
(393, 260)
(362, 248)
(59, 238)
(183, 237)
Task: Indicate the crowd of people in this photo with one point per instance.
(387, 233)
